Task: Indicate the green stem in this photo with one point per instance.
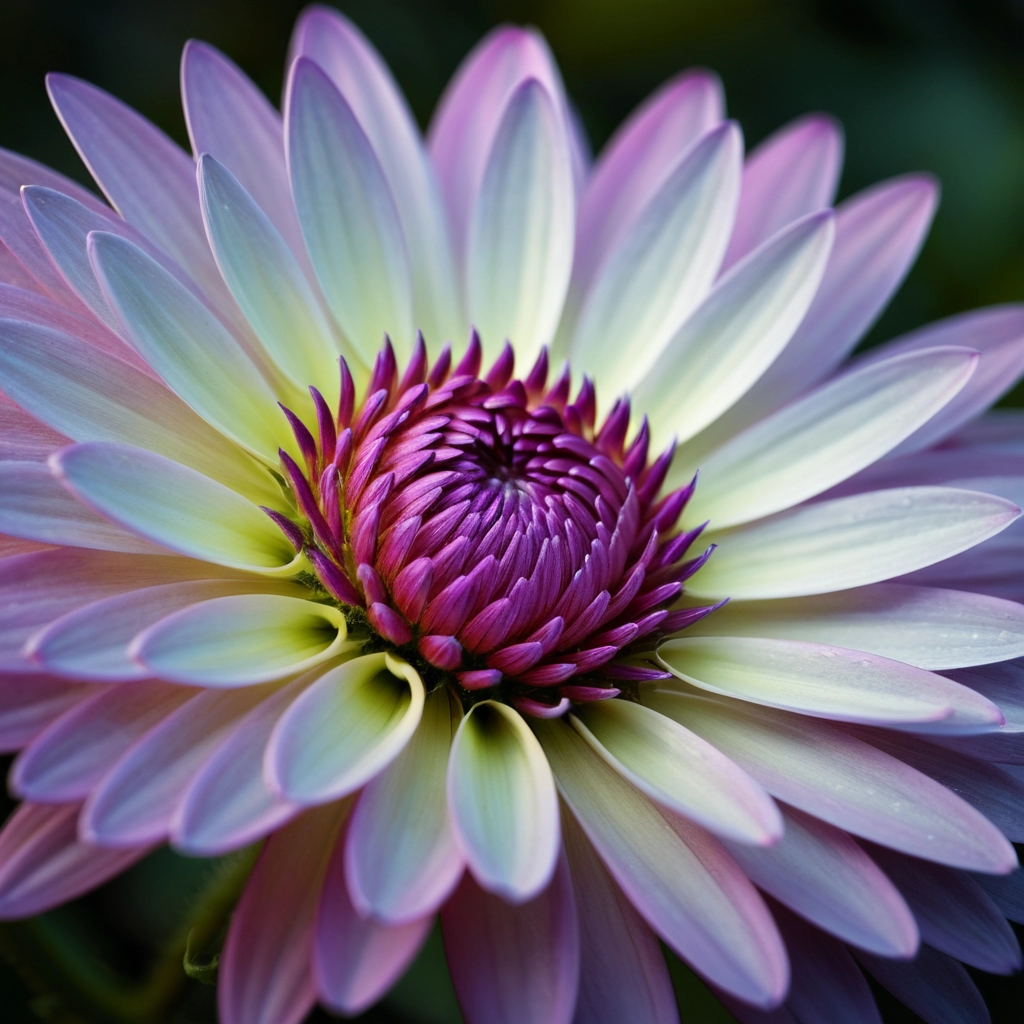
(56, 961)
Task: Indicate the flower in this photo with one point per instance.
(447, 626)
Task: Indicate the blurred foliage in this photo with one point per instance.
(932, 85)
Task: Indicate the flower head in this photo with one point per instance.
(507, 538)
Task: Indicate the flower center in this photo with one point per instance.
(485, 527)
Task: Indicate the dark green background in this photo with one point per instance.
(919, 85)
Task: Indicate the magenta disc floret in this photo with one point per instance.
(487, 528)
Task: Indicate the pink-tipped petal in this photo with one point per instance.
(514, 963)
(91, 395)
(229, 118)
(519, 247)
(934, 986)
(998, 334)
(70, 757)
(827, 985)
(33, 505)
(29, 703)
(19, 238)
(38, 587)
(467, 118)
(622, 970)
(266, 969)
(91, 642)
(402, 860)
(30, 307)
(878, 234)
(822, 874)
(791, 174)
(357, 959)
(687, 888)
(243, 639)
(347, 213)
(137, 799)
(843, 780)
(228, 803)
(681, 771)
(23, 438)
(638, 159)
(43, 862)
(174, 506)
(146, 177)
(954, 913)
(337, 46)
(63, 225)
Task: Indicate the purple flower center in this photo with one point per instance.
(486, 528)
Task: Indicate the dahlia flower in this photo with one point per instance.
(350, 495)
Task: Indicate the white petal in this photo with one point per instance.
(33, 505)
(502, 801)
(242, 639)
(828, 682)
(402, 860)
(348, 215)
(521, 232)
(683, 883)
(349, 725)
(735, 334)
(848, 542)
(678, 769)
(663, 267)
(186, 344)
(136, 800)
(792, 173)
(823, 438)
(622, 970)
(91, 396)
(822, 874)
(91, 642)
(334, 43)
(227, 804)
(267, 282)
(844, 781)
(174, 506)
